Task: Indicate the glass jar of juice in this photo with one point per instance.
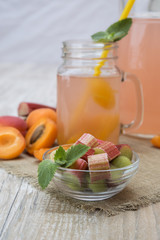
(139, 53)
(87, 101)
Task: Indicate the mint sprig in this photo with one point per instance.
(47, 168)
(115, 32)
(60, 156)
(46, 171)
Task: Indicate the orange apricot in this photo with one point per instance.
(156, 141)
(12, 143)
(39, 153)
(41, 134)
(65, 146)
(40, 113)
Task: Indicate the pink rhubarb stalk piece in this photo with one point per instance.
(110, 149)
(98, 162)
(90, 141)
(100, 141)
(88, 153)
(80, 164)
(25, 108)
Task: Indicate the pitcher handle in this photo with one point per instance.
(134, 124)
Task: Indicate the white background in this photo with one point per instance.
(31, 31)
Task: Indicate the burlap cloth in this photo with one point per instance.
(144, 188)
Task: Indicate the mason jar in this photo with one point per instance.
(88, 92)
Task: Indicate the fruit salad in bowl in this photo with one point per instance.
(90, 169)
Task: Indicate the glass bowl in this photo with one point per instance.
(92, 185)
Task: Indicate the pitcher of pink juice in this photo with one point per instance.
(91, 104)
(139, 53)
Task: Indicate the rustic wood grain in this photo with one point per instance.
(25, 212)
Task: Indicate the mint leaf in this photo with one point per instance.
(99, 36)
(75, 152)
(61, 162)
(115, 32)
(47, 168)
(119, 29)
(60, 154)
(46, 171)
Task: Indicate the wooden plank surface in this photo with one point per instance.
(25, 212)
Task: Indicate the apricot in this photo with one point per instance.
(41, 134)
(102, 93)
(39, 153)
(40, 113)
(156, 141)
(12, 143)
(16, 122)
(65, 146)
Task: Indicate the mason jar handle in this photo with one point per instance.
(134, 124)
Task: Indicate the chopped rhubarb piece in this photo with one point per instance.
(100, 141)
(110, 149)
(98, 162)
(88, 140)
(88, 153)
(80, 164)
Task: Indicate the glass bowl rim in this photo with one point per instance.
(134, 164)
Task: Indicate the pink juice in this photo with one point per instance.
(139, 53)
(81, 111)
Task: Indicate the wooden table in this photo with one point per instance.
(24, 213)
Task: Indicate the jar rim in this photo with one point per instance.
(146, 15)
(88, 44)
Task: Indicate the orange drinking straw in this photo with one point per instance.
(97, 69)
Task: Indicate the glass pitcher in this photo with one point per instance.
(88, 103)
(139, 53)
